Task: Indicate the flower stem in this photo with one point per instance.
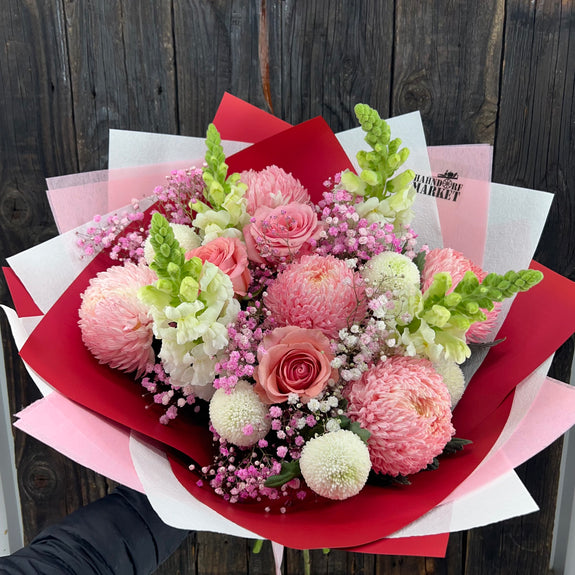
(306, 562)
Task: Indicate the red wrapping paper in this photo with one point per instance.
(310, 151)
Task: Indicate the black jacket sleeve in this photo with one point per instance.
(120, 534)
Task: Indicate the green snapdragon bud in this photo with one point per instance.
(384, 158)
(451, 315)
(178, 279)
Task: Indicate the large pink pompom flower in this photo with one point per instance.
(456, 264)
(317, 292)
(115, 324)
(405, 405)
(272, 187)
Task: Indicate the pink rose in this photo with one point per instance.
(230, 255)
(281, 232)
(293, 360)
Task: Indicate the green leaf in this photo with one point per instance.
(456, 444)
(414, 325)
(381, 480)
(290, 470)
(419, 261)
(362, 433)
(344, 421)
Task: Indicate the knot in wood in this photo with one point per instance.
(416, 94)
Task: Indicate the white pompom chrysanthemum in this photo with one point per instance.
(390, 271)
(452, 377)
(335, 465)
(239, 417)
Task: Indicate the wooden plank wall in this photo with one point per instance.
(493, 71)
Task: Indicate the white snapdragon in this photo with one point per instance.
(193, 333)
(396, 209)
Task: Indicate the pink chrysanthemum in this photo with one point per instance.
(405, 405)
(115, 324)
(317, 292)
(456, 264)
(272, 187)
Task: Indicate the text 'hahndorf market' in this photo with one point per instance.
(442, 187)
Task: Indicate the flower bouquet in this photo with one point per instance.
(266, 344)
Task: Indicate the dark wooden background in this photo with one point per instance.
(494, 71)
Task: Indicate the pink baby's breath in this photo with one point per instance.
(183, 187)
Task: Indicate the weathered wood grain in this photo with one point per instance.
(446, 64)
(534, 148)
(524, 542)
(491, 71)
(535, 145)
(450, 565)
(330, 563)
(37, 137)
(36, 140)
(122, 71)
(216, 46)
(327, 56)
